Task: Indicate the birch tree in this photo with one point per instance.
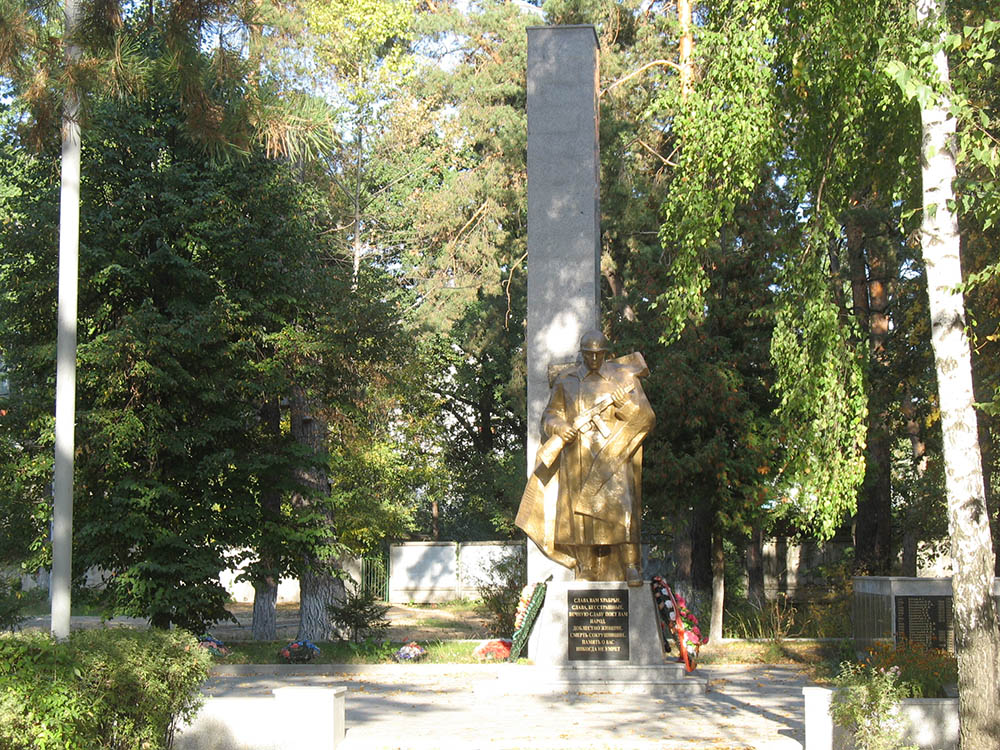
(977, 637)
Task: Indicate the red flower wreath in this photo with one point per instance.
(680, 621)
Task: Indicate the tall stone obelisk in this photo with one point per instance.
(590, 635)
(564, 259)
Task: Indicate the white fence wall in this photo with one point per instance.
(240, 591)
(443, 571)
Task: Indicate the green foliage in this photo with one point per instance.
(501, 593)
(12, 602)
(191, 275)
(226, 104)
(867, 704)
(448, 208)
(361, 615)
(823, 406)
(113, 688)
(725, 129)
(715, 444)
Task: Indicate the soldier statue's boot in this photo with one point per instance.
(633, 576)
(603, 563)
(586, 568)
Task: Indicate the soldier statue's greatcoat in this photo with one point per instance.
(582, 504)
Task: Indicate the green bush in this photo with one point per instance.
(117, 689)
(12, 603)
(867, 705)
(501, 593)
(361, 615)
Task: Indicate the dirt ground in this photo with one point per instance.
(406, 623)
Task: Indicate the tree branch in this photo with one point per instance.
(634, 73)
(510, 278)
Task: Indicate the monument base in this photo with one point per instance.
(599, 636)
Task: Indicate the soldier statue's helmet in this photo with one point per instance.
(594, 341)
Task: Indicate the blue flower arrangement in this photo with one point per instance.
(299, 652)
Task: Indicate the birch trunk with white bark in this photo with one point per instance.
(69, 251)
(977, 637)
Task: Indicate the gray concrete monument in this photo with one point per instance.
(564, 259)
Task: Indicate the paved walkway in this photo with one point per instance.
(458, 706)
(428, 706)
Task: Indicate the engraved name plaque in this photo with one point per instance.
(598, 624)
(927, 620)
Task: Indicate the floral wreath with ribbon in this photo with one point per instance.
(677, 620)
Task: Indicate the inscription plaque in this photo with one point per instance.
(598, 624)
(927, 620)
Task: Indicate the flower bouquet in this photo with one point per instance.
(497, 649)
(213, 645)
(299, 652)
(678, 620)
(528, 605)
(412, 651)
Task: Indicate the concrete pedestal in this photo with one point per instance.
(645, 670)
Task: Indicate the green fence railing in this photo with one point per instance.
(375, 577)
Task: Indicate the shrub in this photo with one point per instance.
(867, 705)
(924, 671)
(501, 593)
(117, 689)
(12, 601)
(361, 615)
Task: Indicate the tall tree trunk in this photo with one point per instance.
(318, 586)
(755, 568)
(264, 625)
(681, 552)
(918, 450)
(685, 47)
(879, 483)
(865, 523)
(69, 246)
(356, 243)
(977, 636)
(872, 524)
(718, 585)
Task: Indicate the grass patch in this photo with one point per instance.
(458, 606)
(344, 652)
(821, 659)
(439, 622)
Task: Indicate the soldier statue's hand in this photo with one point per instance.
(567, 432)
(619, 397)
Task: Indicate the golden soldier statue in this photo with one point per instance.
(582, 505)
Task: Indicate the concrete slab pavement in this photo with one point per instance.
(437, 706)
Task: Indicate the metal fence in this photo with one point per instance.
(375, 577)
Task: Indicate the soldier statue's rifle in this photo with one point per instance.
(550, 450)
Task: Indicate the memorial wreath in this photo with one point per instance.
(678, 621)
